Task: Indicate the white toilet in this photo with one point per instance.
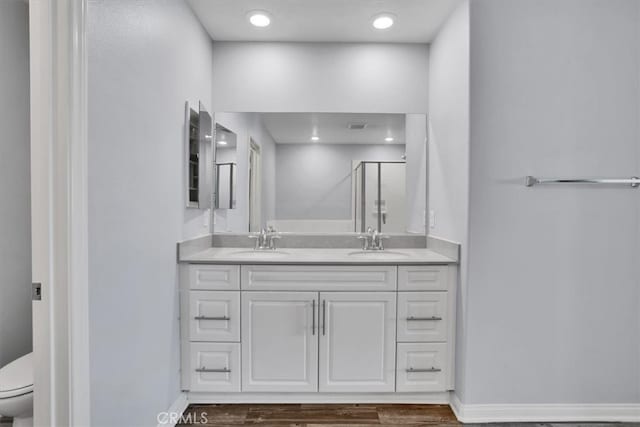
(16, 391)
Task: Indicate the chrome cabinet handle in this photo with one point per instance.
(313, 318)
(212, 318)
(324, 317)
(432, 369)
(205, 369)
(414, 319)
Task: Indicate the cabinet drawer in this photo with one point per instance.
(214, 316)
(215, 367)
(214, 277)
(319, 278)
(422, 316)
(421, 367)
(423, 278)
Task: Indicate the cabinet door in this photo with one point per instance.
(422, 367)
(357, 336)
(215, 316)
(422, 316)
(280, 341)
(214, 277)
(215, 367)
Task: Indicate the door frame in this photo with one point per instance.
(59, 211)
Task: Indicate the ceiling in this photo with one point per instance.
(332, 128)
(417, 21)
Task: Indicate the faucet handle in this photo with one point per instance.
(272, 239)
(380, 238)
(257, 237)
(365, 240)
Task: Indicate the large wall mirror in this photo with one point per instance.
(321, 172)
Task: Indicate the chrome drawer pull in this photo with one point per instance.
(432, 369)
(324, 317)
(212, 318)
(413, 319)
(204, 369)
(313, 318)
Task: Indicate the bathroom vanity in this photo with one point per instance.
(317, 325)
(317, 320)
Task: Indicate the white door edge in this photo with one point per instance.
(59, 211)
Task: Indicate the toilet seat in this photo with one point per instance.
(16, 378)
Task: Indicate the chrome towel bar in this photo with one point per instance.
(634, 181)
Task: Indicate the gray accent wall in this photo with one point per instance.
(15, 190)
(553, 297)
(146, 58)
(313, 181)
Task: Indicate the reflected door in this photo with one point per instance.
(393, 208)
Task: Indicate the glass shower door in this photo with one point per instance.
(379, 197)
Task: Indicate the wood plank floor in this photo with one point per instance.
(308, 415)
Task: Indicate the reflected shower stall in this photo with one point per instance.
(380, 196)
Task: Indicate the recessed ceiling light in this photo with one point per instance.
(222, 142)
(315, 138)
(389, 139)
(259, 18)
(383, 21)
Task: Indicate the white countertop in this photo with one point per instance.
(326, 256)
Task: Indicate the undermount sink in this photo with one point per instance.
(261, 253)
(378, 255)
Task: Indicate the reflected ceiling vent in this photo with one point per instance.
(357, 126)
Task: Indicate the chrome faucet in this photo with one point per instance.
(265, 239)
(372, 240)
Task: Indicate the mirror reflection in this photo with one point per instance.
(226, 168)
(320, 172)
(198, 155)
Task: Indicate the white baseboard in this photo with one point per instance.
(346, 398)
(480, 413)
(171, 417)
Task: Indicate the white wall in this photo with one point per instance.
(15, 209)
(146, 58)
(449, 127)
(416, 181)
(553, 283)
(247, 126)
(320, 77)
(449, 152)
(313, 181)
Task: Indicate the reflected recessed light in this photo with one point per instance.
(383, 21)
(222, 142)
(315, 138)
(389, 139)
(259, 18)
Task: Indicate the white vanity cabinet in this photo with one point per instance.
(287, 333)
(426, 307)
